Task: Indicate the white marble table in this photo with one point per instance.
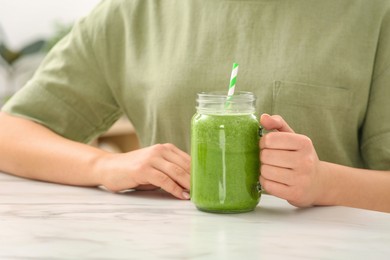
(48, 221)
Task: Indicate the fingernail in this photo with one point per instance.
(263, 115)
(186, 195)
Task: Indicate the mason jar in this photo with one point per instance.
(225, 163)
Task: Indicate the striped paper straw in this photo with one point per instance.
(233, 79)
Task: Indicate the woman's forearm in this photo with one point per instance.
(30, 150)
(359, 188)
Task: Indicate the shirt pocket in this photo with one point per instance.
(293, 94)
(319, 112)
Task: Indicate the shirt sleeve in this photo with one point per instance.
(375, 143)
(69, 92)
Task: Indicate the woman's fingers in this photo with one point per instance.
(174, 171)
(167, 167)
(184, 158)
(177, 157)
(277, 174)
(275, 122)
(162, 180)
(284, 141)
(161, 165)
(277, 189)
(174, 163)
(289, 163)
(280, 158)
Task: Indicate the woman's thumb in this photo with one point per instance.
(275, 122)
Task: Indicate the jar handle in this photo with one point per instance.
(260, 131)
(259, 188)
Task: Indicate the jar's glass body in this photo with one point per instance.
(225, 154)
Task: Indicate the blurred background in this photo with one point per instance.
(28, 30)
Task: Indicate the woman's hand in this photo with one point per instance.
(290, 168)
(161, 165)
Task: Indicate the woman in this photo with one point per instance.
(323, 66)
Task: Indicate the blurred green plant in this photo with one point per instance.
(11, 56)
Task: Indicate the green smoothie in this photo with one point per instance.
(225, 162)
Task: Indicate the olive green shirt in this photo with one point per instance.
(322, 65)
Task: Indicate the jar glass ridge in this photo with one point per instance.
(220, 103)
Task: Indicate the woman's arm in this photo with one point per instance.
(291, 170)
(30, 150)
(359, 188)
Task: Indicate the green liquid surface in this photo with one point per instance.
(225, 163)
